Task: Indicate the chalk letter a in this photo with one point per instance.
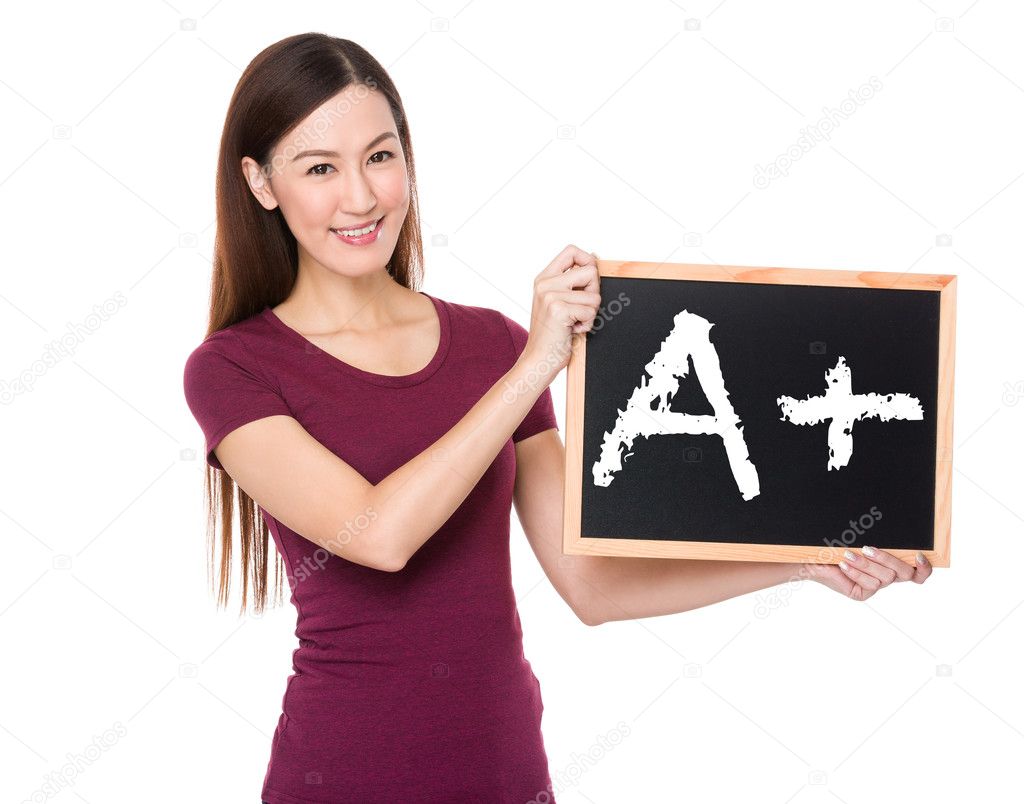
(689, 338)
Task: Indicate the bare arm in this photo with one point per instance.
(312, 491)
(625, 588)
(418, 497)
(308, 488)
(601, 589)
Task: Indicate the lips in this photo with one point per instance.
(367, 239)
(357, 226)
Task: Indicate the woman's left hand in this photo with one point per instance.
(869, 569)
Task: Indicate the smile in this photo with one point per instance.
(363, 236)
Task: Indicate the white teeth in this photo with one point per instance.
(357, 232)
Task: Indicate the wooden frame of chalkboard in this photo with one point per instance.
(905, 321)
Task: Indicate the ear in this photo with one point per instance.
(259, 182)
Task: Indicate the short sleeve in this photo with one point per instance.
(225, 388)
(542, 415)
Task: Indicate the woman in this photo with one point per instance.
(393, 430)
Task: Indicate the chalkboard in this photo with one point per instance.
(769, 414)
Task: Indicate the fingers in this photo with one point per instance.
(582, 277)
(568, 257)
(577, 308)
(873, 568)
(881, 565)
(882, 573)
(903, 570)
(582, 296)
(922, 569)
(869, 583)
(572, 314)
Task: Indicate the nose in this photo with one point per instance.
(356, 192)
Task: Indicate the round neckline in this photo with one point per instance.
(391, 380)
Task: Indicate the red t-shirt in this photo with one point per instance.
(408, 686)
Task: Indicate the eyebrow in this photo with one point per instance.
(335, 154)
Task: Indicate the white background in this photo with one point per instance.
(113, 114)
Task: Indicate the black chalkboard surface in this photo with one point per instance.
(761, 414)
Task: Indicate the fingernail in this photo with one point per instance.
(849, 556)
(844, 565)
(868, 551)
(921, 559)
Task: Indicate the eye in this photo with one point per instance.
(314, 171)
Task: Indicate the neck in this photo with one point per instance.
(323, 301)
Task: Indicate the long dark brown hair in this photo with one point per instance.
(255, 254)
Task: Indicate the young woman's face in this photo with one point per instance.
(342, 168)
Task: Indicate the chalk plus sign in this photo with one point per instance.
(844, 407)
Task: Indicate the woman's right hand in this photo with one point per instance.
(566, 298)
